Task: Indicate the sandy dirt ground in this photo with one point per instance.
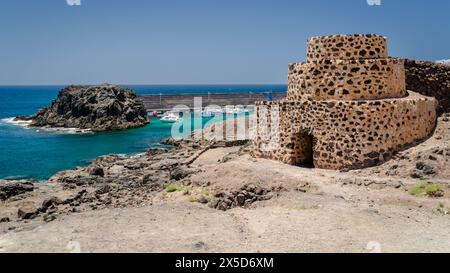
(309, 210)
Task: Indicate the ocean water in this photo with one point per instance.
(35, 153)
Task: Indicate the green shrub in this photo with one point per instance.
(175, 188)
(418, 189)
(434, 190)
(187, 191)
(204, 192)
(172, 188)
(428, 189)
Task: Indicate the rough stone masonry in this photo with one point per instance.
(347, 107)
(430, 79)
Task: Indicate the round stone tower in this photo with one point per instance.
(347, 107)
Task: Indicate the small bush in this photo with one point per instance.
(187, 191)
(172, 188)
(418, 189)
(434, 190)
(428, 189)
(204, 192)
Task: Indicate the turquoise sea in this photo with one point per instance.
(34, 153)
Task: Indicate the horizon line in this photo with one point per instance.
(144, 84)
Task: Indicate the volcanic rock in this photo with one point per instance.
(10, 189)
(27, 212)
(96, 108)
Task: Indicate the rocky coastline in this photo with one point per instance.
(116, 182)
(213, 178)
(96, 108)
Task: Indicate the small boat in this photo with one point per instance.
(170, 118)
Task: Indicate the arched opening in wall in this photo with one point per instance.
(304, 149)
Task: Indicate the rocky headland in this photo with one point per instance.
(97, 108)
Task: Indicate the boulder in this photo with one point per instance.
(50, 217)
(202, 200)
(422, 170)
(98, 108)
(50, 202)
(171, 142)
(27, 212)
(103, 189)
(97, 171)
(180, 172)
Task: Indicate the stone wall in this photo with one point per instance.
(430, 79)
(347, 47)
(346, 134)
(347, 79)
(347, 107)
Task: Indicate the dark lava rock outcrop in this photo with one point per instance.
(97, 108)
(9, 189)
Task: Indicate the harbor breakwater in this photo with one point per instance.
(166, 102)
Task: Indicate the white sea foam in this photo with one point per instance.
(69, 131)
(16, 177)
(13, 121)
(133, 155)
(137, 155)
(58, 130)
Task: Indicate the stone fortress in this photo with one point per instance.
(347, 107)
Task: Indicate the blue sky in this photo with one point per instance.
(198, 41)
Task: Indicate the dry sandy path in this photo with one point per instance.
(292, 222)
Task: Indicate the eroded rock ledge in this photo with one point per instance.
(10, 189)
(98, 108)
